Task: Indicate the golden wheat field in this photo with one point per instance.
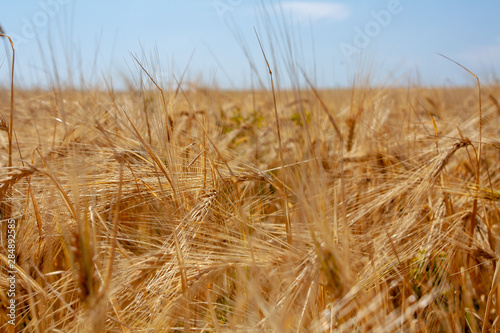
(369, 209)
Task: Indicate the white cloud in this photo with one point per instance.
(486, 55)
(317, 10)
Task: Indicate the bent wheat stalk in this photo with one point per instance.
(14, 175)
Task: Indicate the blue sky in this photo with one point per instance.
(332, 41)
